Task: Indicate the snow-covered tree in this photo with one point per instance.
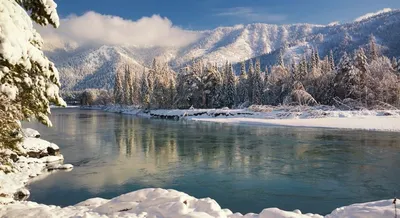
(257, 84)
(373, 48)
(280, 58)
(250, 82)
(395, 64)
(29, 82)
(331, 60)
(302, 69)
(128, 86)
(299, 96)
(119, 95)
(145, 90)
(242, 88)
(230, 94)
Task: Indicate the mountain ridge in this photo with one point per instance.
(94, 66)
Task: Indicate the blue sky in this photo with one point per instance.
(208, 14)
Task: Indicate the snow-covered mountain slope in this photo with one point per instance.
(385, 26)
(94, 66)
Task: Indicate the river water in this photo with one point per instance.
(244, 168)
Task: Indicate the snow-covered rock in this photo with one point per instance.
(38, 148)
(31, 133)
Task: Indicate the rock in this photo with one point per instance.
(38, 148)
(21, 194)
(387, 113)
(53, 152)
(31, 133)
(14, 157)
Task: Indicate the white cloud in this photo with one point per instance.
(251, 15)
(366, 16)
(96, 28)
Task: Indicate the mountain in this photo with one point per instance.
(94, 66)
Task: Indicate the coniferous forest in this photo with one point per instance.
(364, 79)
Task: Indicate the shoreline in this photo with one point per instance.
(314, 117)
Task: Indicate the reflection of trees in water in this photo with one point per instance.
(157, 151)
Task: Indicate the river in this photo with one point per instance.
(244, 168)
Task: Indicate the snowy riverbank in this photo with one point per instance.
(173, 204)
(36, 158)
(319, 116)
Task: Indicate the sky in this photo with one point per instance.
(208, 14)
(172, 22)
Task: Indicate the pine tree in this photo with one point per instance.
(293, 70)
(172, 93)
(257, 84)
(242, 89)
(361, 63)
(135, 89)
(395, 64)
(361, 60)
(280, 59)
(128, 87)
(317, 58)
(303, 69)
(331, 60)
(118, 89)
(250, 82)
(373, 48)
(347, 79)
(230, 87)
(29, 81)
(145, 91)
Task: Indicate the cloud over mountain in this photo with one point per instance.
(95, 28)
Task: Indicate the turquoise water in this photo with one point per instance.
(244, 168)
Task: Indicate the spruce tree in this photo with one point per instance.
(128, 86)
(280, 58)
(257, 84)
(242, 89)
(230, 87)
(145, 91)
(331, 60)
(250, 82)
(373, 48)
(118, 89)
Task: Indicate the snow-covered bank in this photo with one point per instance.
(36, 157)
(161, 203)
(319, 116)
(391, 124)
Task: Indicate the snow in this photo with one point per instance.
(316, 117)
(391, 124)
(156, 202)
(34, 161)
(369, 15)
(38, 145)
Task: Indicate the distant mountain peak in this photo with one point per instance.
(373, 14)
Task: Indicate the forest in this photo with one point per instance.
(365, 79)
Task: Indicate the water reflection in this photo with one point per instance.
(245, 168)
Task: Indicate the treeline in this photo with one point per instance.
(363, 79)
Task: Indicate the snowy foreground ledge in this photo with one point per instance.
(160, 203)
(37, 158)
